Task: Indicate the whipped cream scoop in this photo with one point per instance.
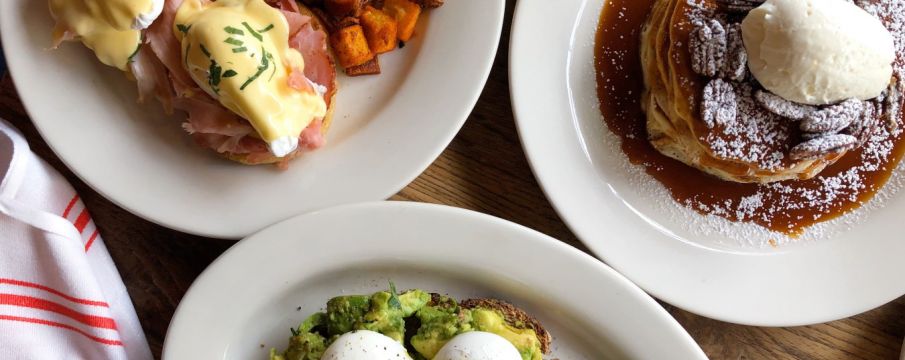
(818, 52)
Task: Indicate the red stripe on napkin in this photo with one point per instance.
(41, 304)
(91, 241)
(82, 220)
(53, 291)
(71, 204)
(62, 326)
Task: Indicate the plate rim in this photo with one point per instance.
(105, 189)
(565, 205)
(458, 216)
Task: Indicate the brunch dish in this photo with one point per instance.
(787, 113)
(268, 93)
(416, 324)
(745, 147)
(334, 295)
(256, 78)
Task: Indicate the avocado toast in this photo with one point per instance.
(422, 322)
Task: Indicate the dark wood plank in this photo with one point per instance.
(484, 169)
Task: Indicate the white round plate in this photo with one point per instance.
(387, 128)
(581, 168)
(251, 295)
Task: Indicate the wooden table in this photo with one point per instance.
(484, 169)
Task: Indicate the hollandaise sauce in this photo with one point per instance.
(112, 28)
(238, 52)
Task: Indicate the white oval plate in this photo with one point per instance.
(581, 168)
(387, 128)
(250, 296)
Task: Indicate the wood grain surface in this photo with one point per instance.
(484, 169)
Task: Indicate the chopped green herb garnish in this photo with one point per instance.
(270, 57)
(234, 41)
(188, 46)
(215, 76)
(204, 50)
(265, 64)
(240, 50)
(294, 331)
(266, 29)
(230, 73)
(234, 31)
(183, 29)
(394, 301)
(252, 31)
(132, 57)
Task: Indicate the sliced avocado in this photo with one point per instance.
(383, 312)
(388, 312)
(441, 322)
(344, 312)
(305, 343)
(524, 338)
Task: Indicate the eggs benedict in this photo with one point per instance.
(112, 28)
(255, 77)
(238, 52)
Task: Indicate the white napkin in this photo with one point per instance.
(61, 296)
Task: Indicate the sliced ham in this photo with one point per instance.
(152, 79)
(207, 116)
(168, 49)
(210, 124)
(319, 66)
(312, 137)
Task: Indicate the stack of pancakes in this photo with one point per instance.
(753, 149)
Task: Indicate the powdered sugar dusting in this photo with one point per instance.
(732, 219)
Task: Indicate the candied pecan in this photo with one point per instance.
(866, 124)
(823, 146)
(738, 6)
(719, 105)
(811, 136)
(782, 107)
(892, 105)
(735, 66)
(708, 43)
(833, 118)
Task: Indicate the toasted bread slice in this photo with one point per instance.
(318, 25)
(513, 316)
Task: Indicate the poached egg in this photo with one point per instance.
(238, 52)
(111, 28)
(478, 345)
(365, 345)
(370, 345)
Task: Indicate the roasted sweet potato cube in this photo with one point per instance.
(372, 67)
(380, 29)
(406, 14)
(343, 8)
(351, 46)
